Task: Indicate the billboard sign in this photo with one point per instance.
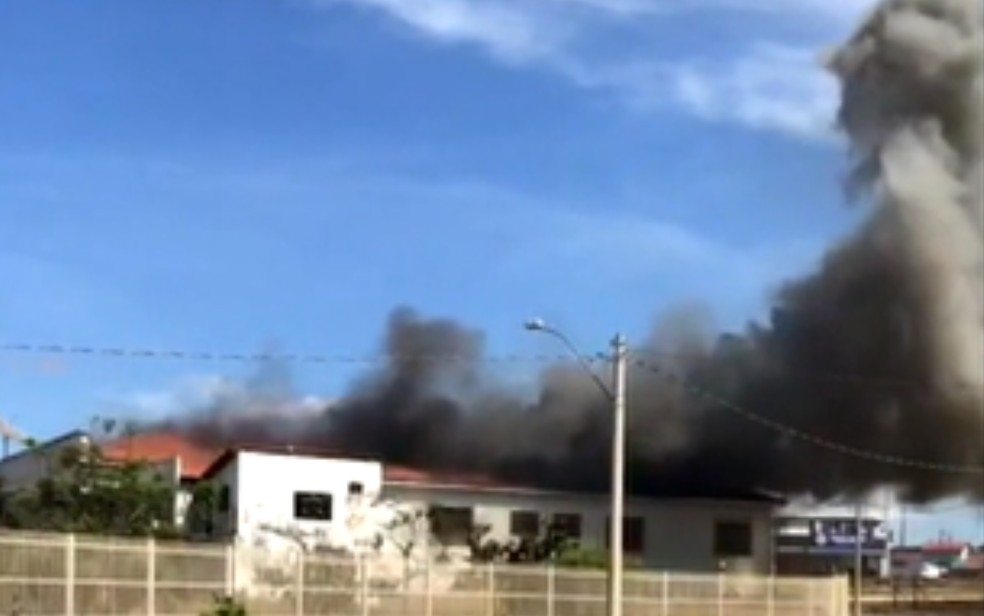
(833, 536)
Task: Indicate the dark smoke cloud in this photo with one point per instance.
(901, 300)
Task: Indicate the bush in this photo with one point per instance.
(226, 606)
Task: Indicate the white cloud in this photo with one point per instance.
(772, 87)
(209, 393)
(764, 86)
(506, 29)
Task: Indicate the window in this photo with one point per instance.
(312, 506)
(732, 539)
(633, 534)
(225, 499)
(355, 489)
(451, 525)
(524, 524)
(567, 524)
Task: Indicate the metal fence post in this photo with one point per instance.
(428, 584)
(843, 595)
(299, 584)
(770, 595)
(551, 590)
(230, 573)
(490, 590)
(810, 596)
(720, 594)
(151, 577)
(70, 574)
(364, 583)
(665, 594)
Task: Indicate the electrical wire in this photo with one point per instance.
(716, 400)
(818, 441)
(819, 375)
(320, 358)
(309, 358)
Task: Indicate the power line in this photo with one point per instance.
(156, 354)
(818, 441)
(304, 358)
(820, 375)
(321, 358)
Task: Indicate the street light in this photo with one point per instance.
(617, 398)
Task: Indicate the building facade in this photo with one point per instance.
(292, 497)
(349, 503)
(27, 466)
(820, 538)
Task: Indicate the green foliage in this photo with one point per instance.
(594, 558)
(226, 606)
(550, 544)
(200, 515)
(85, 493)
(583, 558)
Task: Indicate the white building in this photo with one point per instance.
(333, 501)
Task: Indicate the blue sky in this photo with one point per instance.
(244, 175)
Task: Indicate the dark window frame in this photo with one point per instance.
(452, 525)
(314, 506)
(528, 522)
(733, 539)
(568, 524)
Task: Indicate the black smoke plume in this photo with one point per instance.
(900, 301)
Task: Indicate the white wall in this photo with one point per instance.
(679, 535)
(262, 488)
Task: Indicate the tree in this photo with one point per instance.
(86, 493)
(408, 529)
(200, 515)
(550, 544)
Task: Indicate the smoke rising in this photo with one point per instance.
(900, 301)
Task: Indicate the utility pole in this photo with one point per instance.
(903, 526)
(619, 361)
(615, 394)
(858, 559)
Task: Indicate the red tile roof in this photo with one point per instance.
(161, 446)
(408, 475)
(945, 548)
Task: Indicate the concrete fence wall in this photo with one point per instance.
(69, 575)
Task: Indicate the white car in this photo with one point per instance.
(929, 571)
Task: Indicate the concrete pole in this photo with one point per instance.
(615, 566)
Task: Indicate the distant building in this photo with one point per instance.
(27, 466)
(947, 554)
(178, 459)
(814, 537)
(170, 456)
